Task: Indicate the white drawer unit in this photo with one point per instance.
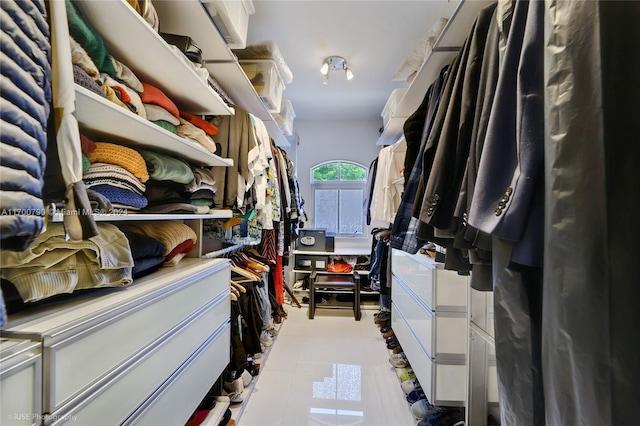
(439, 289)
(429, 318)
(20, 382)
(195, 375)
(444, 380)
(94, 346)
(440, 334)
(118, 396)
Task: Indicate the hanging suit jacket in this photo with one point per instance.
(404, 232)
(508, 196)
(450, 159)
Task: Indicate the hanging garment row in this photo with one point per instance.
(511, 149)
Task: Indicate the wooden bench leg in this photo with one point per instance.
(312, 301)
(356, 301)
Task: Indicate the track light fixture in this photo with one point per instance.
(334, 63)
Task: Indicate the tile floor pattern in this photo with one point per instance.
(331, 370)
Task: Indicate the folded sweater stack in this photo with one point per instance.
(118, 173)
(177, 238)
(175, 187)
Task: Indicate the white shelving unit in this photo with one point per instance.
(101, 118)
(443, 52)
(217, 214)
(189, 17)
(157, 345)
(129, 39)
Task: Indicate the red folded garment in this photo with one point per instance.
(183, 247)
(153, 95)
(209, 128)
(86, 144)
(124, 95)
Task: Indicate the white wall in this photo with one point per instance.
(321, 141)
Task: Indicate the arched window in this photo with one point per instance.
(339, 188)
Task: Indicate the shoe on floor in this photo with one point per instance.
(409, 385)
(236, 386)
(235, 397)
(423, 408)
(399, 360)
(397, 350)
(388, 334)
(391, 339)
(246, 378)
(383, 318)
(385, 329)
(407, 375)
(416, 395)
(266, 338)
(392, 344)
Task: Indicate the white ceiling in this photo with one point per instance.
(373, 36)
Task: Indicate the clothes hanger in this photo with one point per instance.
(245, 273)
(254, 254)
(243, 260)
(236, 286)
(234, 291)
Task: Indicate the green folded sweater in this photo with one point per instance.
(89, 39)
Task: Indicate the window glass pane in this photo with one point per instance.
(326, 209)
(326, 172)
(352, 172)
(351, 217)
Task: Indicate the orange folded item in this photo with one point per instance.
(209, 128)
(153, 95)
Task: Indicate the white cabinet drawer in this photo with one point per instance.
(113, 399)
(440, 289)
(439, 333)
(20, 382)
(174, 402)
(75, 363)
(443, 381)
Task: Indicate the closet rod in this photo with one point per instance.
(218, 253)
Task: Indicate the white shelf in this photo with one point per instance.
(459, 25)
(218, 214)
(337, 252)
(235, 82)
(129, 39)
(483, 334)
(276, 133)
(198, 26)
(426, 76)
(190, 17)
(444, 50)
(306, 271)
(113, 123)
(393, 131)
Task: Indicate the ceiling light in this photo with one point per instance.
(335, 63)
(348, 73)
(325, 68)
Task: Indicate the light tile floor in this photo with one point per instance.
(331, 370)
